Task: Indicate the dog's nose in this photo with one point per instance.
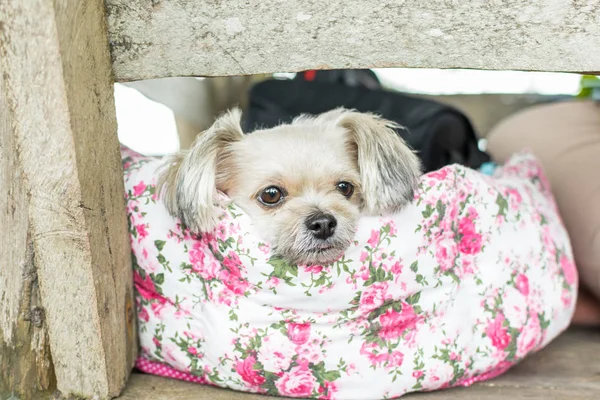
(321, 225)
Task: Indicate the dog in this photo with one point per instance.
(304, 184)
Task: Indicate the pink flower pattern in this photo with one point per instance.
(246, 369)
(465, 282)
(298, 382)
(498, 333)
(298, 333)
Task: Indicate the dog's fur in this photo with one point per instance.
(306, 160)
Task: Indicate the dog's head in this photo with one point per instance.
(303, 184)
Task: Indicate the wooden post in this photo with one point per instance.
(63, 220)
(25, 365)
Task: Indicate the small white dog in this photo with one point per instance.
(304, 184)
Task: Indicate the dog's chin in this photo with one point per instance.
(323, 255)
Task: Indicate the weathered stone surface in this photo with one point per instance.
(567, 369)
(161, 38)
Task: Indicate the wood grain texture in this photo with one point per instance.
(25, 362)
(58, 90)
(567, 369)
(161, 38)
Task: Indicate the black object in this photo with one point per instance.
(440, 134)
(348, 77)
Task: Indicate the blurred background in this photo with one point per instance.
(160, 116)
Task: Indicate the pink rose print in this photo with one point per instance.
(417, 374)
(299, 382)
(313, 269)
(451, 214)
(438, 175)
(393, 229)
(203, 263)
(363, 256)
(145, 287)
(221, 232)
(397, 269)
(446, 251)
(143, 314)
(327, 391)
(374, 239)
(522, 283)
(139, 189)
(231, 276)
(497, 333)
(514, 197)
(395, 359)
(275, 354)
(207, 239)
(170, 353)
(393, 323)
(569, 269)
(373, 297)
(370, 350)
(530, 336)
(298, 333)
(310, 352)
(548, 238)
(470, 242)
(264, 248)
(246, 370)
(566, 298)
(232, 261)
(141, 231)
(157, 308)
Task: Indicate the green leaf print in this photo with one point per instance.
(414, 266)
(283, 270)
(502, 205)
(159, 279)
(441, 209)
(512, 347)
(544, 323)
(160, 244)
(428, 211)
(413, 299)
(332, 375)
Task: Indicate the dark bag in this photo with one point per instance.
(440, 134)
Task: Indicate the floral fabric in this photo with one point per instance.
(467, 281)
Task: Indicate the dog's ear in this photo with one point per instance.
(187, 180)
(332, 116)
(389, 169)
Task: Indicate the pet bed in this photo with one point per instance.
(565, 137)
(456, 288)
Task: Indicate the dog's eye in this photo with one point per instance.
(345, 188)
(270, 196)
